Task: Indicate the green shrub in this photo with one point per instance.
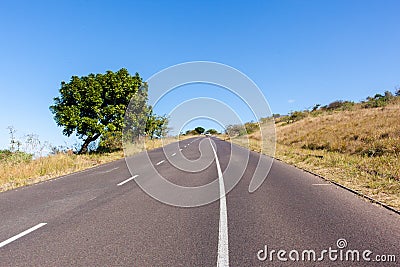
(251, 127)
(211, 131)
(378, 100)
(14, 157)
(110, 142)
(339, 105)
(235, 130)
(296, 116)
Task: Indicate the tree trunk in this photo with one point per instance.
(84, 148)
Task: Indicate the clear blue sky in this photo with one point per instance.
(298, 52)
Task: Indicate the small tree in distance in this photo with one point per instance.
(397, 93)
(211, 131)
(199, 130)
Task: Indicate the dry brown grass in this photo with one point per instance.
(260, 141)
(359, 148)
(368, 175)
(372, 132)
(14, 174)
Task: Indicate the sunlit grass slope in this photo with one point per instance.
(357, 147)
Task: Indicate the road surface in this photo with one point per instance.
(101, 217)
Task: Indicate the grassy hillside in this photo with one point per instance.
(356, 145)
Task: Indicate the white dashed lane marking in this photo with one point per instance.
(11, 239)
(127, 180)
(160, 162)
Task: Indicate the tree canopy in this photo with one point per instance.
(94, 105)
(156, 126)
(211, 131)
(199, 129)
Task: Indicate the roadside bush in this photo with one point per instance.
(277, 118)
(315, 107)
(313, 146)
(211, 131)
(4, 154)
(339, 105)
(373, 151)
(251, 127)
(378, 100)
(191, 132)
(110, 142)
(235, 130)
(14, 157)
(296, 116)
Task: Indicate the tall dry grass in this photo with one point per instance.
(371, 132)
(16, 173)
(372, 176)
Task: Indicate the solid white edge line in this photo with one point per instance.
(158, 163)
(11, 239)
(223, 246)
(127, 180)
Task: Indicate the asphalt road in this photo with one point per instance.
(101, 217)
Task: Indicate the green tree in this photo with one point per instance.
(378, 100)
(296, 116)
(110, 141)
(156, 126)
(211, 131)
(316, 107)
(93, 105)
(199, 130)
(162, 126)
